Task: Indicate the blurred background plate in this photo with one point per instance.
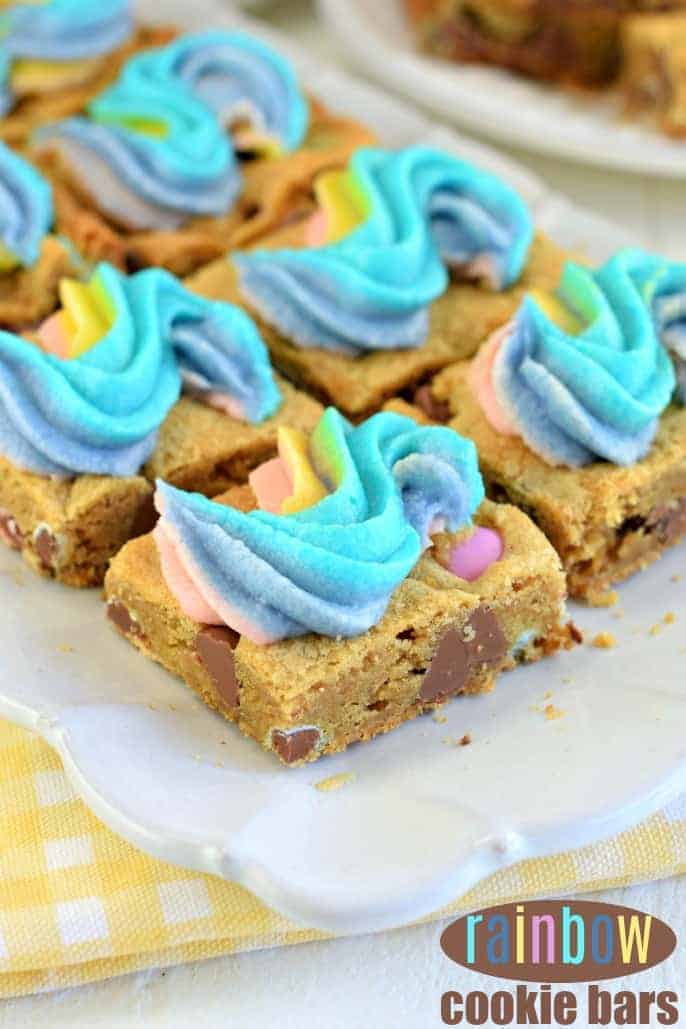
(377, 38)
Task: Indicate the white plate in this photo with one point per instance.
(422, 820)
(375, 34)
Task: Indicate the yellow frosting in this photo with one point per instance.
(558, 312)
(33, 76)
(307, 487)
(87, 314)
(8, 260)
(345, 204)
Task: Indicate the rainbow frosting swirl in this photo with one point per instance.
(391, 228)
(25, 211)
(154, 149)
(332, 565)
(584, 375)
(56, 31)
(111, 367)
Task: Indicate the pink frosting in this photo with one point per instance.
(271, 484)
(52, 337)
(201, 604)
(481, 382)
(470, 559)
(317, 229)
(222, 402)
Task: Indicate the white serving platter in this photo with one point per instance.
(422, 819)
(505, 107)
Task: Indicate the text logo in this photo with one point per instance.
(558, 941)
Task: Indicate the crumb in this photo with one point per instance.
(65, 648)
(608, 599)
(552, 713)
(670, 618)
(218, 764)
(604, 641)
(334, 782)
(439, 719)
(548, 695)
(675, 578)
(466, 740)
(567, 680)
(655, 630)
(152, 707)
(172, 707)
(619, 613)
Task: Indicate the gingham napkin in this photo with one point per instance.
(78, 904)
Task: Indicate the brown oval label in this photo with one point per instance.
(558, 941)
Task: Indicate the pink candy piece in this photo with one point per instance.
(316, 229)
(469, 560)
(52, 337)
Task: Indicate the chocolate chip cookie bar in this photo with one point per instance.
(440, 637)
(606, 521)
(654, 74)
(574, 42)
(458, 322)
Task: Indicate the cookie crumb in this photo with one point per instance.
(608, 599)
(65, 648)
(466, 740)
(552, 713)
(567, 680)
(675, 578)
(604, 641)
(547, 695)
(334, 782)
(655, 630)
(670, 618)
(439, 719)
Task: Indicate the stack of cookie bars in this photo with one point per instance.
(338, 429)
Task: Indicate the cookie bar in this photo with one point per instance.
(302, 698)
(90, 405)
(207, 451)
(68, 529)
(42, 93)
(654, 74)
(375, 317)
(575, 42)
(137, 197)
(609, 493)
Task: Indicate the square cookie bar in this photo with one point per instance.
(306, 697)
(605, 521)
(40, 96)
(654, 76)
(575, 42)
(459, 321)
(70, 528)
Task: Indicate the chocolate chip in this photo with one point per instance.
(295, 745)
(437, 410)
(121, 617)
(215, 645)
(669, 522)
(461, 652)
(46, 546)
(145, 518)
(10, 532)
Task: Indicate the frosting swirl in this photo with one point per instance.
(25, 211)
(667, 299)
(415, 214)
(154, 149)
(59, 31)
(135, 337)
(330, 568)
(582, 376)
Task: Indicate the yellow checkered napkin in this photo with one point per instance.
(78, 904)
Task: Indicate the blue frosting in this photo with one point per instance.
(59, 30)
(372, 290)
(331, 568)
(26, 212)
(667, 299)
(100, 412)
(159, 128)
(597, 394)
